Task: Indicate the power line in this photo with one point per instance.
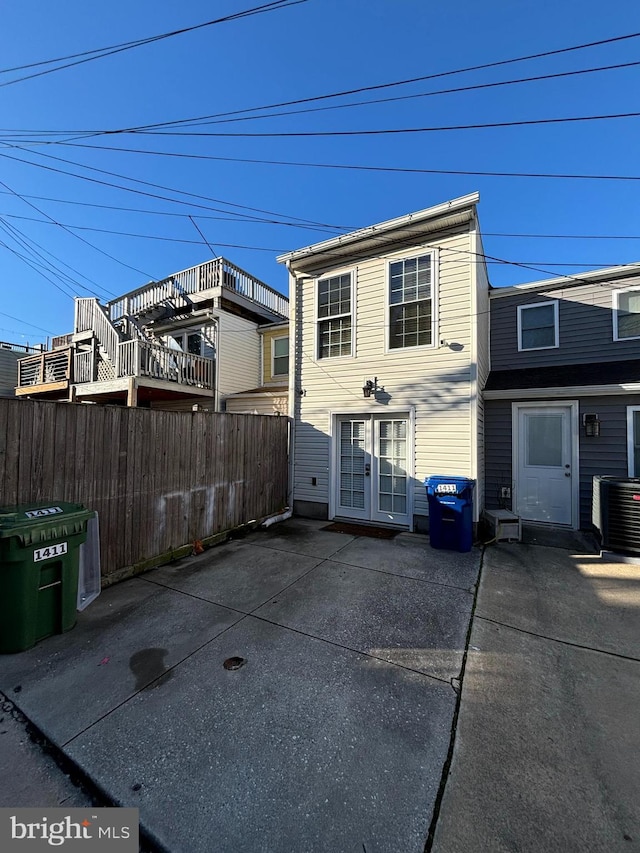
(360, 168)
(387, 85)
(24, 323)
(299, 134)
(304, 222)
(27, 135)
(99, 53)
(43, 213)
(16, 236)
(397, 98)
(77, 236)
(123, 208)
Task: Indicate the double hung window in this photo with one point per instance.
(334, 316)
(626, 314)
(280, 356)
(411, 311)
(538, 326)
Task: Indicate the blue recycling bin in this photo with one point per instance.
(450, 512)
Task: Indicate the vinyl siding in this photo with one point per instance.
(435, 381)
(259, 404)
(267, 353)
(606, 454)
(9, 371)
(238, 355)
(585, 322)
(482, 348)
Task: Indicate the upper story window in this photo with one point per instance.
(280, 356)
(633, 440)
(538, 326)
(334, 316)
(411, 312)
(193, 341)
(626, 314)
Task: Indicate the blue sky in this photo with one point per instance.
(310, 49)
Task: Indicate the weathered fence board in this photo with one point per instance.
(158, 480)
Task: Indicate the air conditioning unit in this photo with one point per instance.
(616, 513)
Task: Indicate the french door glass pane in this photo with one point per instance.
(392, 460)
(352, 461)
(544, 439)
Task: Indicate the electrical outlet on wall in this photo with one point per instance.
(505, 491)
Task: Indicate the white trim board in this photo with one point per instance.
(561, 393)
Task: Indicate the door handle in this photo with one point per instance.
(367, 470)
(567, 473)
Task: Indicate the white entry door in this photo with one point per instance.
(372, 470)
(544, 486)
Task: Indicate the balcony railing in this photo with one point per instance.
(46, 369)
(61, 341)
(140, 358)
(175, 290)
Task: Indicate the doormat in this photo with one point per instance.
(361, 530)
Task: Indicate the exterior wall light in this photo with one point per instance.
(591, 425)
(370, 386)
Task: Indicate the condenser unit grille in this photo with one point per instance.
(619, 512)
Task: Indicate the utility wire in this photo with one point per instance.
(304, 222)
(360, 168)
(13, 234)
(38, 251)
(29, 134)
(300, 134)
(387, 85)
(398, 98)
(196, 226)
(24, 323)
(99, 53)
(77, 236)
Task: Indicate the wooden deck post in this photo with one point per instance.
(132, 392)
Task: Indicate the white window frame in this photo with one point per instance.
(556, 323)
(631, 412)
(433, 255)
(318, 320)
(615, 311)
(275, 375)
(206, 331)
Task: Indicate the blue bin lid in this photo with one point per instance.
(436, 479)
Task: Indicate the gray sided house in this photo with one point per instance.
(562, 402)
(389, 348)
(10, 355)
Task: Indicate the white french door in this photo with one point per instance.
(544, 463)
(372, 468)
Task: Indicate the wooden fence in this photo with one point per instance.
(158, 480)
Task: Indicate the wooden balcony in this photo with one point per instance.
(46, 373)
(154, 361)
(178, 291)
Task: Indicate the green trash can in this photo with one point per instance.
(39, 571)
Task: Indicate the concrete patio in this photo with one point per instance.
(332, 736)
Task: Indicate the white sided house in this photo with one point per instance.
(389, 354)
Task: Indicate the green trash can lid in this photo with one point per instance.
(14, 518)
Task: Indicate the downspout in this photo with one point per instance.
(293, 308)
(283, 516)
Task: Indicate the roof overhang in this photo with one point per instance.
(410, 228)
(576, 280)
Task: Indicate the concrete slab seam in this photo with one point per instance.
(153, 681)
(350, 649)
(454, 723)
(469, 589)
(558, 640)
